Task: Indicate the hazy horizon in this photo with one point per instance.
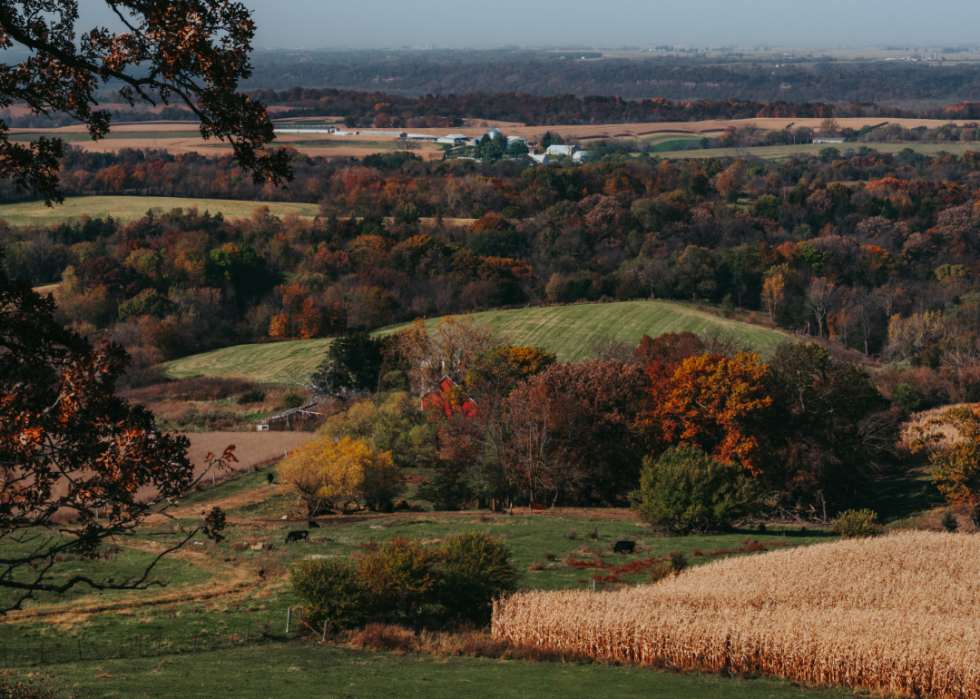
(383, 24)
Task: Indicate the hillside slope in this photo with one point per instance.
(568, 331)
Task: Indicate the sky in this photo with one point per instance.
(608, 24)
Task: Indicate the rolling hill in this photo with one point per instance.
(568, 331)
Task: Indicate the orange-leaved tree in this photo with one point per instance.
(74, 457)
(716, 403)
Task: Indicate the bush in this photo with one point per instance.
(402, 580)
(687, 490)
(251, 396)
(675, 563)
(292, 399)
(331, 591)
(855, 524)
(475, 569)
(949, 522)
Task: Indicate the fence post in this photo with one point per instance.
(593, 584)
(326, 624)
(289, 616)
(212, 477)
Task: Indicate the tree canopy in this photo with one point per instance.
(70, 448)
(191, 51)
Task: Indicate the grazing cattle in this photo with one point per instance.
(625, 547)
(296, 536)
(312, 525)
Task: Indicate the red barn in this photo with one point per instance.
(448, 398)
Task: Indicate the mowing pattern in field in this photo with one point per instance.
(787, 152)
(279, 362)
(897, 615)
(568, 331)
(128, 208)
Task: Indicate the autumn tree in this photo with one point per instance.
(333, 475)
(834, 429)
(72, 451)
(956, 466)
(430, 356)
(193, 52)
(716, 403)
(573, 431)
(773, 293)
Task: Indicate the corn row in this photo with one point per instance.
(898, 614)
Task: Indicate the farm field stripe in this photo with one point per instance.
(569, 331)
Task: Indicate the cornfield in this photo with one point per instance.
(897, 614)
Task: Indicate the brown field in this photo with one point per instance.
(894, 615)
(334, 145)
(254, 447)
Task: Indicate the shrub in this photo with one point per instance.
(687, 490)
(292, 399)
(401, 578)
(251, 396)
(855, 524)
(475, 569)
(949, 522)
(331, 591)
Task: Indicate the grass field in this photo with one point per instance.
(299, 671)
(787, 152)
(128, 208)
(568, 331)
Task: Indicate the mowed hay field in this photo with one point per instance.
(129, 208)
(899, 614)
(568, 331)
(787, 152)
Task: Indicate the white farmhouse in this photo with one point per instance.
(562, 150)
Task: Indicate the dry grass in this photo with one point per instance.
(898, 614)
(950, 434)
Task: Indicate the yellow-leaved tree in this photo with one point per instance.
(333, 475)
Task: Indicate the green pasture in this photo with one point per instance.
(304, 670)
(568, 331)
(128, 208)
(787, 152)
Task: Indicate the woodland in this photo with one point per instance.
(874, 251)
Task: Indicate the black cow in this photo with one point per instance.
(625, 547)
(312, 524)
(296, 536)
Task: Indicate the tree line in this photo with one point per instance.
(877, 252)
